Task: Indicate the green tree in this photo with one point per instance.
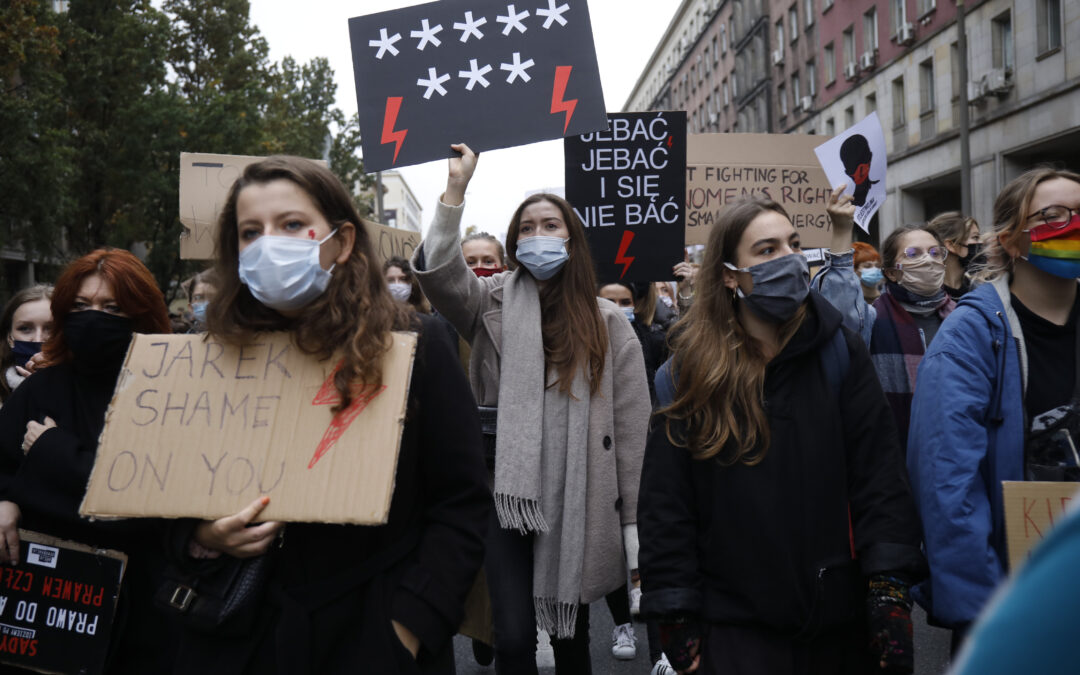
(346, 164)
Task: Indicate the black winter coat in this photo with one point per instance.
(769, 545)
(326, 609)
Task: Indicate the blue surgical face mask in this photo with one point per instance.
(284, 273)
(780, 286)
(871, 276)
(198, 311)
(543, 257)
(629, 312)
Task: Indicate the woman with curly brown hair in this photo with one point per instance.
(342, 599)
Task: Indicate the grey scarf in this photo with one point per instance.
(541, 464)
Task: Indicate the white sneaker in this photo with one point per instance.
(635, 602)
(624, 643)
(662, 667)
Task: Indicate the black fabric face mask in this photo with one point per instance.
(23, 350)
(98, 340)
(973, 252)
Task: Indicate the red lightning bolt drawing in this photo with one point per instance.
(669, 140)
(558, 105)
(393, 107)
(328, 395)
(620, 257)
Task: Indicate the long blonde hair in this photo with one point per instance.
(721, 368)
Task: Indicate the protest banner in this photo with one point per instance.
(627, 186)
(722, 168)
(489, 74)
(57, 605)
(205, 181)
(197, 428)
(1032, 508)
(857, 158)
(389, 241)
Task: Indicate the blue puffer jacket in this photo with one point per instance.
(966, 436)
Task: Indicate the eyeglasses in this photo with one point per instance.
(938, 253)
(1055, 216)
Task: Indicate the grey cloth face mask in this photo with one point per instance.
(780, 286)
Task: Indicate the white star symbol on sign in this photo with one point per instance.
(385, 43)
(517, 68)
(470, 27)
(433, 83)
(553, 13)
(512, 20)
(475, 74)
(426, 35)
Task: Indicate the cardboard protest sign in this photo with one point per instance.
(627, 186)
(488, 73)
(57, 605)
(723, 168)
(389, 241)
(1032, 508)
(197, 428)
(205, 181)
(857, 158)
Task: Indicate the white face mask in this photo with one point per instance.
(284, 273)
(666, 300)
(400, 290)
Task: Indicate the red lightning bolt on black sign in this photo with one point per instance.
(328, 395)
(393, 107)
(558, 92)
(621, 257)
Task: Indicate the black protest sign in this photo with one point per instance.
(57, 605)
(628, 186)
(487, 73)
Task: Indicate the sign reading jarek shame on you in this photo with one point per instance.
(627, 185)
(57, 605)
(723, 168)
(488, 73)
(200, 429)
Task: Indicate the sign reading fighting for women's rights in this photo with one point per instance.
(627, 186)
(723, 168)
(197, 428)
(57, 605)
(489, 73)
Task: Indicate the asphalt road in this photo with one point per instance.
(931, 649)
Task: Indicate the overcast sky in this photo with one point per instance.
(625, 31)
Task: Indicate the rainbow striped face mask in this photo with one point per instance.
(1055, 245)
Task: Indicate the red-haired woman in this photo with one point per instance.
(562, 373)
(49, 430)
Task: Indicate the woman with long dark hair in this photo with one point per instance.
(49, 430)
(778, 533)
(293, 257)
(562, 373)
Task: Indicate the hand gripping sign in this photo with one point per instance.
(491, 73)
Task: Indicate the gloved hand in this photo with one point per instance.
(680, 639)
(888, 611)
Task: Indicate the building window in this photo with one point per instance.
(796, 90)
(734, 85)
(780, 36)
(1048, 17)
(849, 46)
(830, 127)
(808, 12)
(870, 30)
(1003, 41)
(811, 78)
(899, 15)
(830, 64)
(849, 117)
(826, 5)
(723, 39)
(926, 6)
(871, 103)
(727, 100)
(926, 86)
(793, 22)
(898, 100)
(781, 94)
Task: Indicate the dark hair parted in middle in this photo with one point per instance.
(573, 330)
(355, 314)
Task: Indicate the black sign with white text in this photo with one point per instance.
(628, 186)
(57, 605)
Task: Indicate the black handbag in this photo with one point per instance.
(1050, 452)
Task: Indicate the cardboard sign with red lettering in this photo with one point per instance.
(723, 168)
(1032, 508)
(57, 605)
(200, 429)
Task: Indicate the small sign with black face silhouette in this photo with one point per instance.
(856, 158)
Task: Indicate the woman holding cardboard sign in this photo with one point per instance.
(49, 431)
(778, 532)
(561, 373)
(341, 599)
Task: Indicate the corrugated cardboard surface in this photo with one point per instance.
(1032, 508)
(722, 168)
(200, 429)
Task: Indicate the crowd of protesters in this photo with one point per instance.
(767, 466)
